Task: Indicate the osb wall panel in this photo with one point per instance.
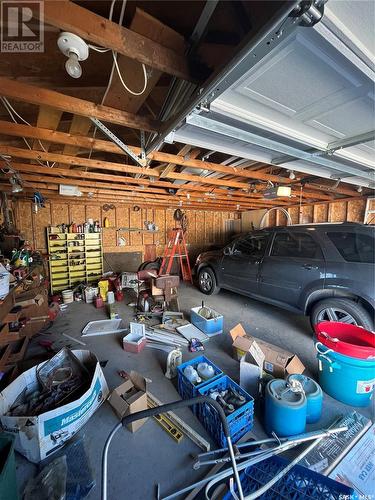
(356, 210)
(320, 213)
(341, 211)
(337, 212)
(205, 227)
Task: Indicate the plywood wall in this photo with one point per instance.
(205, 227)
(352, 211)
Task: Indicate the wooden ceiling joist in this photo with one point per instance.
(118, 189)
(109, 147)
(105, 165)
(68, 16)
(67, 175)
(41, 96)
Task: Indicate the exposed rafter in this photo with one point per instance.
(41, 96)
(71, 17)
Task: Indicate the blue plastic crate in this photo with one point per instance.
(240, 421)
(299, 483)
(210, 327)
(188, 390)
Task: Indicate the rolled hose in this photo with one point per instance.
(151, 412)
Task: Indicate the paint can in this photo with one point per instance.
(67, 296)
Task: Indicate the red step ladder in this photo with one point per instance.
(177, 244)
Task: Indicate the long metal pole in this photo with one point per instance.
(227, 472)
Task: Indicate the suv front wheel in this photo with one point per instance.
(207, 281)
(342, 310)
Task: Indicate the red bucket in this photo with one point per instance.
(349, 340)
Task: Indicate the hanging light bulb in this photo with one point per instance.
(75, 49)
(292, 175)
(72, 66)
(359, 189)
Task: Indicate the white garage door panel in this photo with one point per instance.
(303, 89)
(353, 118)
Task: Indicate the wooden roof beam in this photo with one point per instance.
(68, 16)
(107, 146)
(106, 165)
(41, 96)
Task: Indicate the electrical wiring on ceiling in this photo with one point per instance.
(11, 111)
(115, 65)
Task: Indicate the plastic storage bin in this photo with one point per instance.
(240, 421)
(188, 390)
(134, 342)
(349, 340)
(349, 380)
(210, 327)
(299, 483)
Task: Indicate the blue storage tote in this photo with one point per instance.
(349, 380)
(188, 390)
(299, 483)
(239, 422)
(210, 327)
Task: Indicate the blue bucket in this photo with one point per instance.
(349, 380)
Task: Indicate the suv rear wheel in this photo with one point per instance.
(207, 281)
(342, 310)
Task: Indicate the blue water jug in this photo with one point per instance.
(314, 396)
(285, 409)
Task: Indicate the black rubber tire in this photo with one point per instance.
(357, 311)
(214, 288)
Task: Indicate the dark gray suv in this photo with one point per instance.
(325, 271)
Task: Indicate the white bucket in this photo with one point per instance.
(67, 296)
(110, 298)
(90, 294)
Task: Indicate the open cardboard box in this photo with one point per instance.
(130, 397)
(277, 361)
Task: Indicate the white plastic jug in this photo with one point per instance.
(192, 375)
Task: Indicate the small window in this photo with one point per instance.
(295, 244)
(354, 247)
(253, 245)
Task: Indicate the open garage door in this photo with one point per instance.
(307, 105)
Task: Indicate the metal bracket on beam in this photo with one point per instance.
(141, 161)
(143, 145)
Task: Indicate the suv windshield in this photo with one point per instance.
(354, 247)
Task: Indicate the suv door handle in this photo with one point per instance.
(309, 267)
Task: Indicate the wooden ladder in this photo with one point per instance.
(176, 247)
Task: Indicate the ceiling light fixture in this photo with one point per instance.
(75, 49)
(292, 175)
(359, 189)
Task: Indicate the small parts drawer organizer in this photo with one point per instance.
(73, 258)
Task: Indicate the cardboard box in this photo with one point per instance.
(277, 361)
(40, 436)
(130, 397)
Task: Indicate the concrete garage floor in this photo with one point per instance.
(137, 462)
